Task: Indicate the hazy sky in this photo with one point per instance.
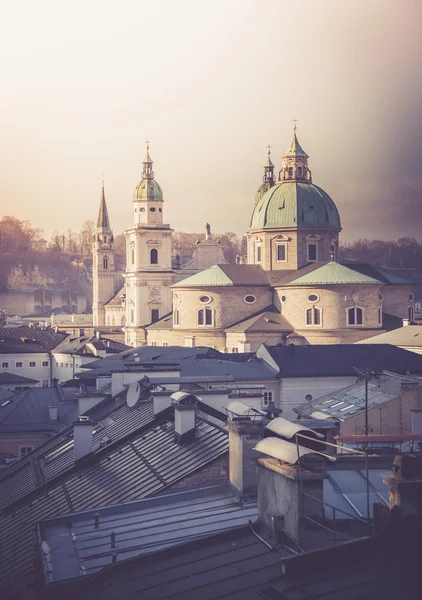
(210, 83)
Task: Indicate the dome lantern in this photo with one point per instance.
(268, 180)
(294, 165)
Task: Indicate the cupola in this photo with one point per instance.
(294, 165)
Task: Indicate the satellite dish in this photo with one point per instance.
(133, 395)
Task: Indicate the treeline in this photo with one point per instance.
(404, 253)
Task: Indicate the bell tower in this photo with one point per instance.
(103, 267)
(149, 272)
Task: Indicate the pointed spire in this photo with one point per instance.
(295, 149)
(147, 172)
(103, 222)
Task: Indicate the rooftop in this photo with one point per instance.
(80, 542)
(333, 273)
(14, 340)
(11, 378)
(339, 360)
(226, 275)
(410, 336)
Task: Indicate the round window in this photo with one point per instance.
(152, 209)
(205, 299)
(250, 299)
(381, 297)
(283, 298)
(313, 298)
(142, 209)
(410, 297)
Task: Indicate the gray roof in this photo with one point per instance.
(249, 370)
(349, 401)
(28, 412)
(6, 378)
(140, 527)
(135, 456)
(410, 336)
(14, 340)
(232, 565)
(79, 345)
(268, 320)
(341, 359)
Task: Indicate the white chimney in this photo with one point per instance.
(406, 322)
(184, 405)
(190, 342)
(243, 436)
(244, 346)
(53, 412)
(82, 437)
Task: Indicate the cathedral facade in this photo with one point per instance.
(292, 290)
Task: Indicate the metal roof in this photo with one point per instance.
(141, 460)
(285, 451)
(265, 320)
(226, 275)
(294, 204)
(232, 564)
(350, 401)
(14, 340)
(79, 544)
(295, 149)
(288, 429)
(410, 336)
(29, 411)
(346, 490)
(6, 377)
(103, 222)
(333, 360)
(333, 273)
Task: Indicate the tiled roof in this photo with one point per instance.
(117, 300)
(28, 412)
(333, 273)
(6, 377)
(411, 336)
(226, 275)
(78, 345)
(339, 360)
(137, 458)
(391, 276)
(141, 527)
(14, 340)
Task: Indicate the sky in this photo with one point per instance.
(210, 83)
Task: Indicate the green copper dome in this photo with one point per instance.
(147, 189)
(295, 204)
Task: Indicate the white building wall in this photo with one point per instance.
(40, 371)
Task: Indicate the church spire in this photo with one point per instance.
(103, 222)
(147, 172)
(295, 162)
(268, 169)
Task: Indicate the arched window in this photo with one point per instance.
(105, 262)
(380, 315)
(354, 316)
(154, 257)
(133, 255)
(205, 316)
(176, 317)
(313, 316)
(411, 313)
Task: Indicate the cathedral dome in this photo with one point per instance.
(295, 204)
(147, 189)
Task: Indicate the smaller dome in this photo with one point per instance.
(148, 189)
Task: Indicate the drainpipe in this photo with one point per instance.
(50, 355)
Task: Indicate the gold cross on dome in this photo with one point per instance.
(295, 124)
(147, 143)
(269, 149)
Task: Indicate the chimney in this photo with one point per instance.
(244, 346)
(190, 342)
(184, 405)
(406, 322)
(98, 335)
(406, 486)
(82, 437)
(284, 489)
(244, 433)
(53, 413)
